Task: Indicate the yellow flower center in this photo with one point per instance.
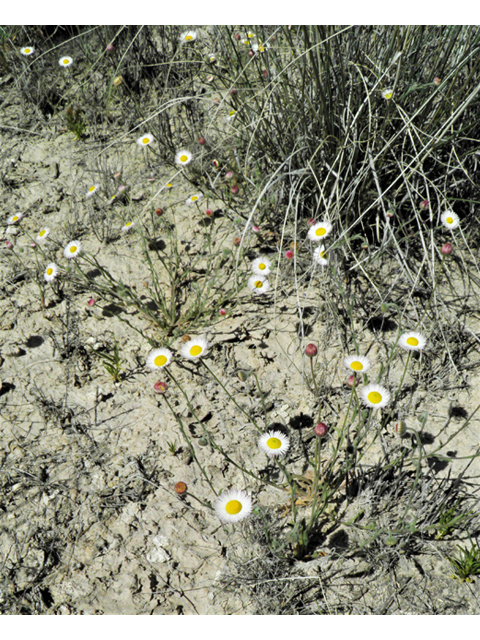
(262, 266)
(194, 198)
(49, 271)
(323, 254)
(169, 185)
(449, 220)
(356, 366)
(129, 224)
(274, 443)
(15, 218)
(27, 50)
(66, 61)
(187, 38)
(233, 507)
(146, 140)
(258, 284)
(160, 361)
(388, 96)
(232, 113)
(92, 189)
(183, 158)
(42, 233)
(320, 232)
(73, 249)
(374, 397)
(196, 350)
(413, 342)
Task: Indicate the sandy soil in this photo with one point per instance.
(90, 520)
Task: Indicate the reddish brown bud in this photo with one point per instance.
(321, 430)
(202, 141)
(311, 350)
(180, 488)
(160, 387)
(234, 189)
(446, 249)
(158, 212)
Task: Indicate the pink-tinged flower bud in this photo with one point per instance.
(255, 229)
(389, 214)
(222, 312)
(311, 350)
(289, 254)
(160, 387)
(237, 36)
(109, 46)
(436, 81)
(321, 430)
(229, 175)
(234, 189)
(9, 244)
(311, 222)
(33, 245)
(401, 428)
(250, 54)
(424, 205)
(351, 380)
(265, 73)
(202, 141)
(446, 249)
(121, 188)
(117, 175)
(208, 212)
(210, 78)
(91, 302)
(216, 163)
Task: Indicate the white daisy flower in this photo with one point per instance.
(194, 198)
(194, 348)
(320, 230)
(145, 140)
(51, 272)
(387, 94)
(450, 220)
(233, 506)
(27, 51)
(375, 396)
(72, 249)
(258, 284)
(231, 115)
(42, 235)
(320, 255)
(412, 341)
(261, 266)
(92, 190)
(251, 35)
(183, 157)
(65, 61)
(158, 359)
(274, 443)
(211, 57)
(128, 226)
(188, 36)
(169, 185)
(360, 364)
(260, 47)
(246, 42)
(15, 218)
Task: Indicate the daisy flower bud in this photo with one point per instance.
(436, 81)
(109, 46)
(234, 189)
(180, 488)
(321, 430)
(424, 205)
(289, 254)
(311, 350)
(208, 212)
(202, 141)
(446, 249)
(222, 312)
(311, 222)
(158, 212)
(160, 387)
(9, 244)
(91, 302)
